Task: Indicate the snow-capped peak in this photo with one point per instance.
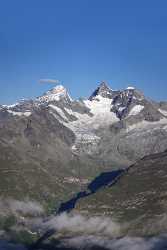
(10, 106)
(102, 90)
(59, 89)
(103, 85)
(56, 94)
(130, 88)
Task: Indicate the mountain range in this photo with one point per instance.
(52, 147)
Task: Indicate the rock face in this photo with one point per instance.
(52, 145)
(125, 100)
(103, 90)
(138, 200)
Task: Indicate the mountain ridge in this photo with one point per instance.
(76, 140)
(52, 147)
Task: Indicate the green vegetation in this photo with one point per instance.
(23, 237)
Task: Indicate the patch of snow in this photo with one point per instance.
(101, 109)
(162, 111)
(165, 127)
(27, 113)
(130, 88)
(121, 109)
(59, 111)
(136, 110)
(101, 115)
(86, 125)
(10, 106)
(69, 111)
(148, 125)
(56, 94)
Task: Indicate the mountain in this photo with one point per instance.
(74, 140)
(138, 200)
(53, 146)
(103, 90)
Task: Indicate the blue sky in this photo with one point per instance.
(81, 42)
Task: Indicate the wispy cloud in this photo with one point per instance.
(82, 224)
(54, 81)
(90, 242)
(86, 232)
(97, 232)
(20, 207)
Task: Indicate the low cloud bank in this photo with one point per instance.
(125, 243)
(95, 242)
(83, 224)
(83, 232)
(80, 232)
(20, 207)
(31, 208)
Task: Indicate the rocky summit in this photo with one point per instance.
(53, 147)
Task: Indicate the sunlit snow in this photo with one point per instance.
(136, 110)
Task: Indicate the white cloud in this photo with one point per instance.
(83, 224)
(92, 233)
(125, 243)
(85, 232)
(54, 81)
(20, 207)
